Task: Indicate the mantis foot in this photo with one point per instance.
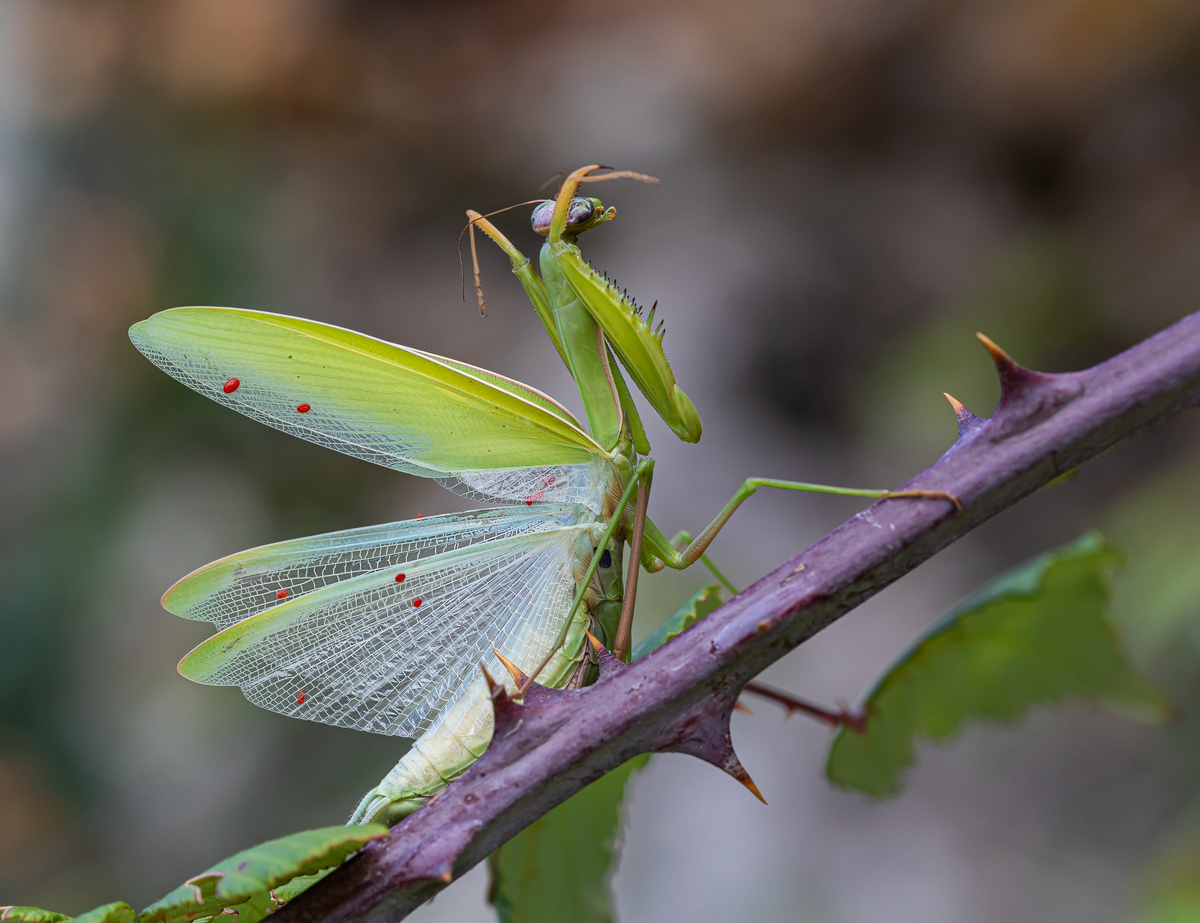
(925, 495)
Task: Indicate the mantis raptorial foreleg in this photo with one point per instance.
(667, 553)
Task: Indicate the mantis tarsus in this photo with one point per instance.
(384, 628)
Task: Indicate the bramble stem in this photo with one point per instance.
(844, 717)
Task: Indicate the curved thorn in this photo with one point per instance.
(513, 670)
(745, 779)
(596, 643)
(999, 356)
(959, 409)
(493, 687)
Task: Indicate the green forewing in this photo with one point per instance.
(384, 403)
(1036, 635)
(246, 879)
(511, 385)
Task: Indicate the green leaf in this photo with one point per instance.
(560, 866)
(292, 889)
(1036, 635)
(1157, 597)
(705, 601)
(118, 912)
(1173, 895)
(31, 915)
(246, 878)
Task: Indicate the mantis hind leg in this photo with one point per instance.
(683, 551)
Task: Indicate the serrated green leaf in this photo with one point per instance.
(247, 877)
(1036, 635)
(117, 912)
(705, 601)
(30, 915)
(560, 866)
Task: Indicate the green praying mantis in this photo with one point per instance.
(385, 628)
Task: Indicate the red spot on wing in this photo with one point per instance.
(535, 498)
(282, 594)
(303, 408)
(399, 578)
(230, 386)
(300, 696)
(417, 603)
(549, 480)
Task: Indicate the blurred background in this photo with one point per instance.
(850, 190)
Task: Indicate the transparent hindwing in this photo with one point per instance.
(387, 656)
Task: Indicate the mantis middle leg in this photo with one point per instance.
(682, 551)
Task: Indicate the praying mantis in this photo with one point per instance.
(385, 628)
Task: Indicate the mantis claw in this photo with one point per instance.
(926, 495)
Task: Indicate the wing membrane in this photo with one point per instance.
(364, 656)
(384, 403)
(232, 588)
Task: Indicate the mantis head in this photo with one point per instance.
(582, 215)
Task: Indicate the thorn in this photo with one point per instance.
(1012, 375)
(967, 421)
(513, 670)
(999, 356)
(494, 689)
(448, 875)
(704, 733)
(596, 643)
(744, 778)
(608, 663)
(738, 706)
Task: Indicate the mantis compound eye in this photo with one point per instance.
(541, 217)
(581, 212)
(582, 215)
